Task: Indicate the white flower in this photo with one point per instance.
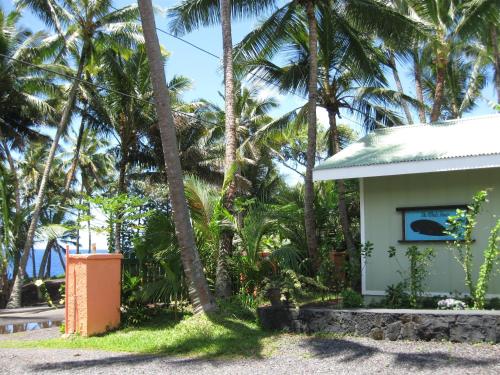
(451, 304)
(38, 283)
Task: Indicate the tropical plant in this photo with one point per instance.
(185, 17)
(294, 27)
(351, 298)
(416, 273)
(465, 79)
(461, 227)
(447, 26)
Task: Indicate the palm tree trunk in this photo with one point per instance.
(121, 190)
(15, 295)
(341, 190)
(33, 262)
(399, 86)
(417, 71)
(309, 217)
(61, 258)
(496, 59)
(49, 265)
(223, 280)
(198, 287)
(74, 163)
(78, 219)
(45, 256)
(439, 90)
(88, 227)
(15, 178)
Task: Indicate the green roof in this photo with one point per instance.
(475, 136)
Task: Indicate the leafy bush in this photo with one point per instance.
(237, 308)
(461, 228)
(414, 277)
(134, 315)
(42, 289)
(396, 296)
(351, 298)
(493, 304)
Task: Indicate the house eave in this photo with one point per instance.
(404, 168)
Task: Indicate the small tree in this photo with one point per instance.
(414, 277)
(461, 227)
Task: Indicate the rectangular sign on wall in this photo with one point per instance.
(422, 224)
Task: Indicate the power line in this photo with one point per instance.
(201, 49)
(72, 78)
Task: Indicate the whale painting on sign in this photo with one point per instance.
(422, 224)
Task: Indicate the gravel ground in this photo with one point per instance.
(37, 334)
(294, 355)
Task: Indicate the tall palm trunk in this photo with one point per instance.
(78, 219)
(33, 262)
(222, 279)
(198, 287)
(341, 190)
(309, 217)
(496, 59)
(76, 156)
(441, 63)
(417, 72)
(15, 295)
(399, 86)
(89, 228)
(13, 171)
(67, 189)
(46, 275)
(121, 187)
(4, 285)
(43, 263)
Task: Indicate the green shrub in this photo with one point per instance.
(351, 298)
(414, 277)
(461, 228)
(493, 304)
(396, 296)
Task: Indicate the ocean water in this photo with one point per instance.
(56, 268)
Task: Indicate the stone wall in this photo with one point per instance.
(382, 324)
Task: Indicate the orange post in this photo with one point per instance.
(93, 286)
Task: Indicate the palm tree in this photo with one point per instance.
(448, 26)
(312, 88)
(465, 79)
(189, 15)
(22, 106)
(94, 163)
(251, 117)
(198, 287)
(129, 117)
(132, 117)
(26, 102)
(341, 23)
(88, 25)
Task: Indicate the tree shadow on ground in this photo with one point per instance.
(113, 361)
(214, 336)
(235, 338)
(351, 350)
(437, 360)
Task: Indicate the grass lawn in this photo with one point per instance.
(228, 333)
